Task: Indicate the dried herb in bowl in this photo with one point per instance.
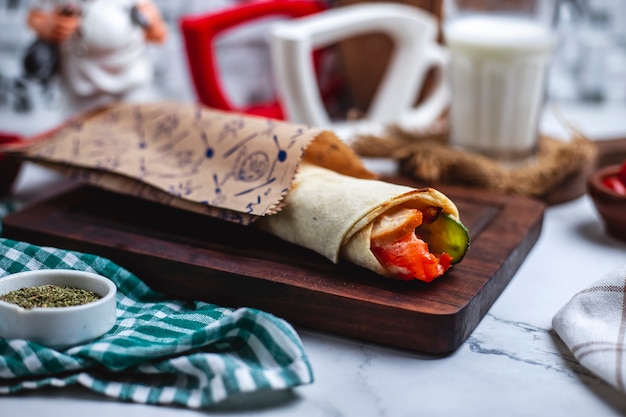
(49, 296)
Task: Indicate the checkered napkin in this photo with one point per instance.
(160, 351)
(593, 326)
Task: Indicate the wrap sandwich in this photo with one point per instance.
(396, 231)
(299, 183)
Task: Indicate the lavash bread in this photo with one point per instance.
(333, 214)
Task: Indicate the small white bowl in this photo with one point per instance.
(58, 327)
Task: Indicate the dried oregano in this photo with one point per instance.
(49, 296)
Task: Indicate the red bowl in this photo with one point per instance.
(610, 204)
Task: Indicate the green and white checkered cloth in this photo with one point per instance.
(160, 351)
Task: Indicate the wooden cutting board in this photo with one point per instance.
(190, 256)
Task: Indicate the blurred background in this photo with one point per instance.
(589, 65)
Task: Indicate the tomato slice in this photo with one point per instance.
(621, 174)
(614, 184)
(409, 258)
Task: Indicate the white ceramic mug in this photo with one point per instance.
(499, 52)
(414, 34)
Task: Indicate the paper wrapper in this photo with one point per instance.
(226, 165)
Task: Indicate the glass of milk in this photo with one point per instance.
(499, 54)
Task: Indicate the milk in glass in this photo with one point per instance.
(497, 74)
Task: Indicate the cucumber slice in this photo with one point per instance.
(446, 234)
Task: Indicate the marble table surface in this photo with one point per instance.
(513, 364)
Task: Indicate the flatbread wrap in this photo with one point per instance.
(394, 230)
(299, 183)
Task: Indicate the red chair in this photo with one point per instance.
(200, 33)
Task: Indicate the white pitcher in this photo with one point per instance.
(413, 32)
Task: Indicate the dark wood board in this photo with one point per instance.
(190, 256)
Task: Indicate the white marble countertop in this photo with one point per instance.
(513, 364)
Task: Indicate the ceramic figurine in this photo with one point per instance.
(101, 46)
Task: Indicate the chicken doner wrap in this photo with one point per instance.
(396, 231)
